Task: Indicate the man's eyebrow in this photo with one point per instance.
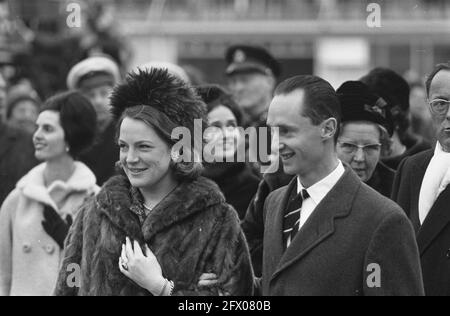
(440, 97)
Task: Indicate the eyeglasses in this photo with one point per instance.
(350, 148)
(439, 106)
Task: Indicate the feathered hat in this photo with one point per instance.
(162, 91)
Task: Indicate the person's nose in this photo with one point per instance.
(236, 86)
(447, 116)
(359, 156)
(132, 157)
(37, 135)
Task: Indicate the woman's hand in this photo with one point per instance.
(144, 270)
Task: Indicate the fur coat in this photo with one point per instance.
(29, 257)
(191, 232)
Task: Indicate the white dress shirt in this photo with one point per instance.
(435, 181)
(318, 192)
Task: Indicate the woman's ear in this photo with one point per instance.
(329, 128)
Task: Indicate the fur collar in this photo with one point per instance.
(188, 199)
(32, 185)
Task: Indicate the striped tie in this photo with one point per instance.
(292, 217)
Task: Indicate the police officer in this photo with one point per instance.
(252, 74)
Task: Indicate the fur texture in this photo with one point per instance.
(162, 91)
(191, 232)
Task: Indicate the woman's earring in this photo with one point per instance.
(175, 156)
(67, 149)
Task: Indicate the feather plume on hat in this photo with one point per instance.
(162, 91)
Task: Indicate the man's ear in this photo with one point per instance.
(272, 82)
(329, 128)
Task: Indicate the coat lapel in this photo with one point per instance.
(436, 221)
(337, 204)
(189, 198)
(273, 235)
(114, 201)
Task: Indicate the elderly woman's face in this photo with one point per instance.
(49, 138)
(223, 134)
(359, 146)
(145, 157)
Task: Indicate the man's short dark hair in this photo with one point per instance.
(320, 99)
(437, 69)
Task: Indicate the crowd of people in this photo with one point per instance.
(353, 200)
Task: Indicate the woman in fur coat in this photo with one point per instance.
(160, 227)
(35, 217)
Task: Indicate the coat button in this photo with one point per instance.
(26, 248)
(448, 254)
(49, 249)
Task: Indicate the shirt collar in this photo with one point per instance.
(318, 191)
(439, 150)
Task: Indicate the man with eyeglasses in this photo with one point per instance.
(421, 189)
(365, 128)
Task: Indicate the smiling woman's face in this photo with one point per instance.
(223, 133)
(145, 157)
(49, 138)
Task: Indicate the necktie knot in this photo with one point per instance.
(304, 194)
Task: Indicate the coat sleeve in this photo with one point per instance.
(253, 226)
(392, 262)
(230, 260)
(69, 278)
(6, 242)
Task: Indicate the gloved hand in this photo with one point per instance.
(55, 226)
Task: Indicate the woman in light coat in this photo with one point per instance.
(36, 216)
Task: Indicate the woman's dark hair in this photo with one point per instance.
(214, 96)
(164, 126)
(78, 120)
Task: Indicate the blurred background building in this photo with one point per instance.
(331, 38)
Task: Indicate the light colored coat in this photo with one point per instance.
(29, 257)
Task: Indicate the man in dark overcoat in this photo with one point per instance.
(421, 189)
(327, 233)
